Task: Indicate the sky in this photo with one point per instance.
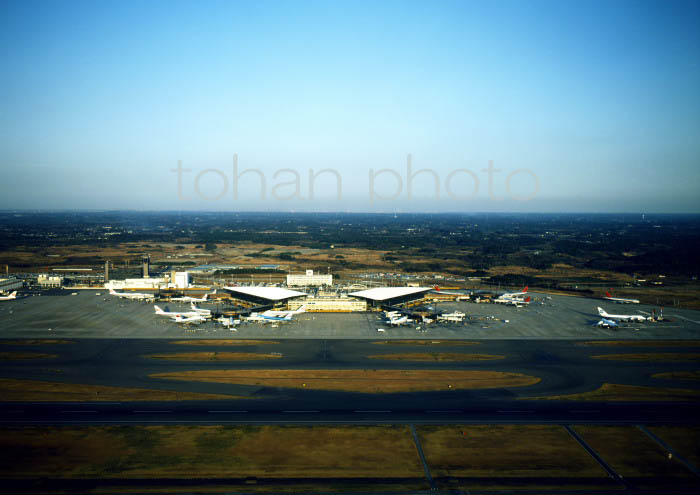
(542, 106)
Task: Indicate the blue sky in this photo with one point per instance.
(598, 101)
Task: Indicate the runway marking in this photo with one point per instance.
(139, 412)
(584, 411)
(76, 412)
(295, 412)
(515, 411)
(444, 411)
(227, 411)
(372, 411)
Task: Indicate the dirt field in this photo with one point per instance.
(213, 356)
(436, 356)
(632, 393)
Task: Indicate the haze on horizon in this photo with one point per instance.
(586, 106)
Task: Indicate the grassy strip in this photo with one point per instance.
(643, 343)
(364, 381)
(650, 357)
(480, 451)
(30, 390)
(426, 342)
(631, 453)
(208, 452)
(213, 356)
(224, 342)
(36, 342)
(436, 356)
(632, 393)
(12, 356)
(678, 375)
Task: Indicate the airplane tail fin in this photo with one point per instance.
(302, 309)
(607, 293)
(602, 312)
(525, 289)
(158, 310)
(205, 297)
(111, 291)
(527, 299)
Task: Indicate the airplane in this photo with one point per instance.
(13, 295)
(602, 313)
(228, 322)
(605, 323)
(457, 316)
(188, 320)
(201, 311)
(515, 294)
(402, 320)
(133, 295)
(176, 314)
(278, 315)
(620, 300)
(192, 299)
(514, 301)
(267, 319)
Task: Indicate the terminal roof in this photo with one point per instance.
(384, 293)
(271, 293)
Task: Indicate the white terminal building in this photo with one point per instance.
(309, 279)
(172, 280)
(49, 281)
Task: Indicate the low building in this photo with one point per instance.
(49, 281)
(391, 296)
(10, 284)
(263, 295)
(309, 279)
(329, 304)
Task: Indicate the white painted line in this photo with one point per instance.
(139, 412)
(227, 411)
(295, 412)
(445, 411)
(76, 412)
(583, 411)
(515, 411)
(370, 411)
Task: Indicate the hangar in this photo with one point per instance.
(260, 296)
(391, 296)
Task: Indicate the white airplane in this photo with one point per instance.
(513, 301)
(12, 296)
(605, 323)
(192, 299)
(514, 294)
(457, 316)
(267, 319)
(620, 300)
(201, 311)
(228, 322)
(189, 320)
(605, 315)
(176, 314)
(398, 320)
(133, 295)
(270, 313)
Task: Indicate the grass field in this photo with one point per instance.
(642, 343)
(678, 375)
(651, 357)
(208, 452)
(631, 453)
(629, 393)
(476, 451)
(30, 390)
(685, 440)
(363, 381)
(426, 342)
(13, 356)
(36, 342)
(224, 342)
(213, 356)
(436, 357)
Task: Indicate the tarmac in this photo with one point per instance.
(87, 315)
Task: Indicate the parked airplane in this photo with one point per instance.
(515, 294)
(620, 300)
(398, 320)
(457, 316)
(267, 319)
(603, 313)
(192, 299)
(513, 301)
(605, 323)
(189, 320)
(175, 314)
(272, 313)
(133, 295)
(228, 322)
(13, 295)
(201, 311)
